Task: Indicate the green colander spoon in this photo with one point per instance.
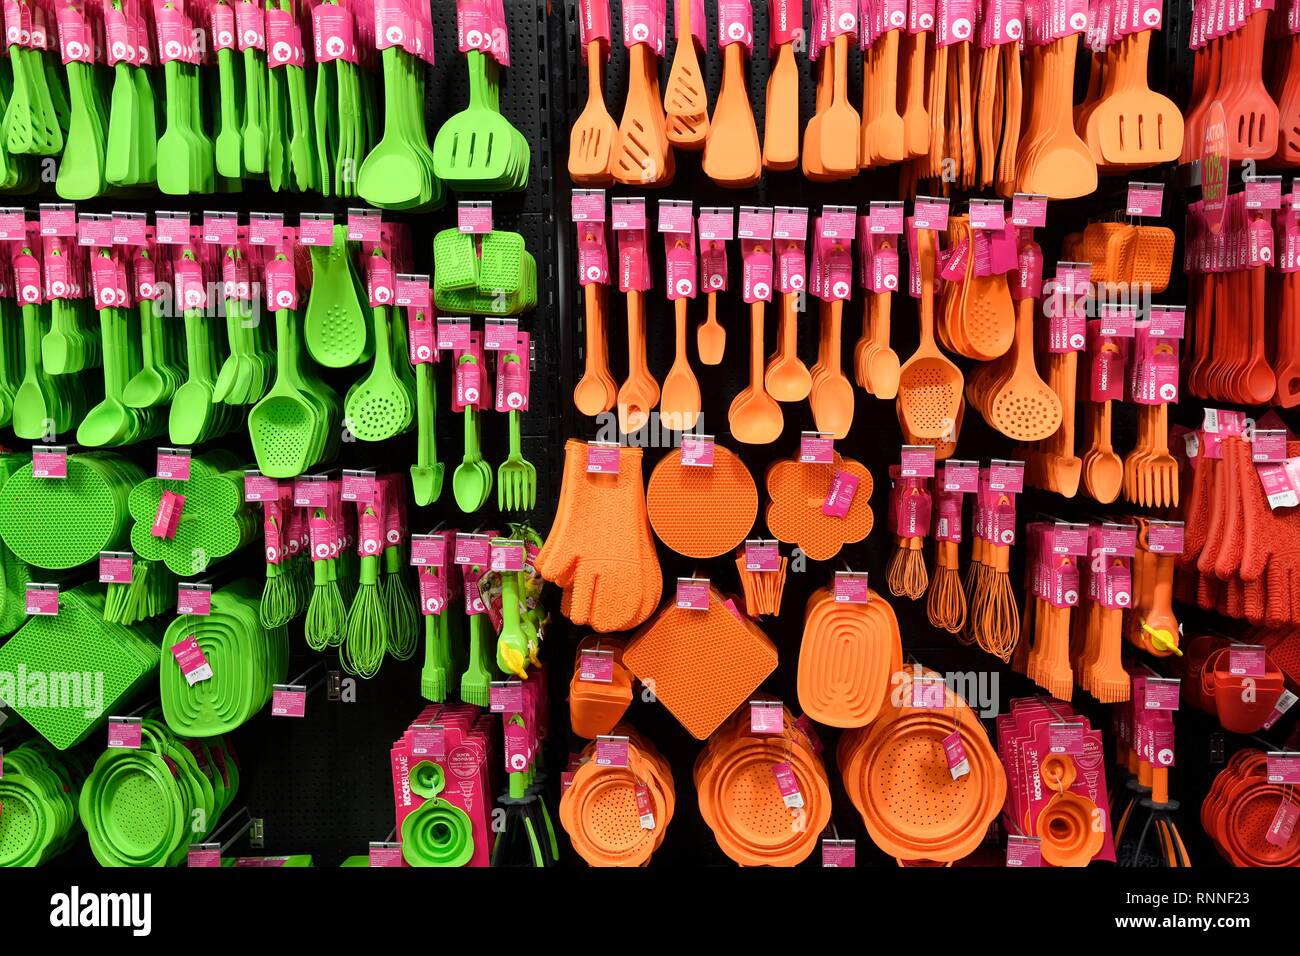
(283, 425)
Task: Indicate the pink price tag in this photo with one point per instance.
(115, 567)
(886, 219)
(171, 228)
(1283, 768)
(596, 667)
(13, 225)
(1283, 824)
(453, 335)
(851, 587)
(1161, 694)
(506, 697)
(1007, 476)
(697, 451)
(1145, 199)
(1024, 851)
(168, 516)
(1269, 445)
(316, 229)
(507, 556)
(816, 448)
(58, 219)
(693, 594)
(788, 784)
(1264, 192)
(429, 550)
(358, 486)
(840, 496)
(988, 214)
(173, 464)
(412, 291)
(191, 660)
(587, 205)
(917, 461)
(202, 857)
(289, 702)
(1247, 660)
(766, 717)
(645, 808)
(929, 693)
(49, 463)
(192, 600)
(1284, 703)
(309, 493)
(265, 228)
(961, 476)
(716, 224)
(124, 733)
(1029, 211)
(365, 225)
(472, 549)
(1167, 321)
(603, 459)
(501, 335)
(1065, 738)
(474, 217)
(385, 855)
(611, 751)
(955, 753)
(930, 213)
(839, 854)
(42, 600)
(429, 741)
(762, 556)
(1165, 538)
(258, 487)
(220, 228)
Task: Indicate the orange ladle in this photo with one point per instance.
(787, 378)
(679, 405)
(596, 391)
(832, 393)
(755, 417)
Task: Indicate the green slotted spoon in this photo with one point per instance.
(335, 327)
(379, 407)
(283, 425)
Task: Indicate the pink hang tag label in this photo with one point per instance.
(411, 291)
(850, 587)
(258, 487)
(961, 477)
(429, 550)
(283, 40)
(693, 594)
(125, 733)
(839, 854)
(788, 785)
(954, 22)
(358, 487)
(762, 556)
(473, 549)
(129, 229)
(49, 462)
(596, 667)
(602, 458)
(474, 218)
(333, 33)
(1283, 824)
(220, 228)
(611, 751)
(168, 516)
(593, 24)
(76, 43)
(1284, 703)
(173, 464)
(1165, 538)
(288, 701)
(1066, 737)
(453, 334)
(697, 451)
(988, 215)
(171, 228)
(380, 282)
(385, 855)
(1029, 210)
(115, 567)
(840, 496)
(422, 344)
(643, 22)
(365, 226)
(1161, 693)
(42, 600)
(506, 556)
(1264, 192)
(1283, 768)
(1007, 476)
(816, 448)
(930, 213)
(193, 600)
(954, 752)
(203, 857)
(433, 591)
(645, 809)
(883, 269)
(501, 335)
(785, 21)
(929, 692)
(1247, 660)
(1269, 445)
(1118, 322)
(956, 262)
(222, 22)
(193, 664)
(1145, 199)
(429, 741)
(1168, 321)
(265, 228)
(735, 24)
(1024, 851)
(713, 266)
(316, 229)
(885, 219)
(593, 254)
(250, 24)
(281, 285)
(917, 461)
(717, 223)
(757, 271)
(506, 697)
(766, 717)
(57, 219)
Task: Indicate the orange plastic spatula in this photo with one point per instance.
(781, 117)
(591, 141)
(732, 155)
(916, 118)
(840, 125)
(686, 101)
(641, 153)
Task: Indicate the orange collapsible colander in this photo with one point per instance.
(595, 706)
(600, 550)
(600, 812)
(736, 778)
(798, 491)
(680, 496)
(897, 775)
(701, 664)
(1069, 830)
(848, 653)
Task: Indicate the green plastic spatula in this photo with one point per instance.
(392, 175)
(230, 144)
(122, 159)
(175, 164)
(81, 170)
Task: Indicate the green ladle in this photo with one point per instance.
(191, 411)
(109, 421)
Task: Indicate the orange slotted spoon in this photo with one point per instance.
(642, 156)
(591, 142)
(686, 100)
(1024, 407)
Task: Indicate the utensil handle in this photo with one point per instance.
(756, 345)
